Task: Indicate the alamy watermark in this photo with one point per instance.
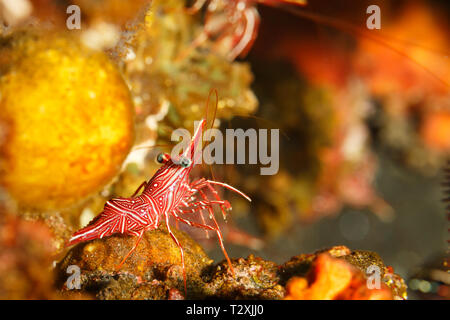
(374, 20)
(373, 273)
(74, 20)
(234, 145)
(73, 281)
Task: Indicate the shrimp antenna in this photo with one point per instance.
(216, 106)
(150, 147)
(213, 90)
(348, 27)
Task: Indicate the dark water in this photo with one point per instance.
(417, 233)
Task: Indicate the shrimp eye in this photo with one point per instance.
(185, 162)
(162, 158)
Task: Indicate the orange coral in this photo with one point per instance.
(435, 130)
(26, 250)
(110, 11)
(334, 279)
(416, 60)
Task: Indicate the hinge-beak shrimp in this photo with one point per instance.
(233, 21)
(169, 193)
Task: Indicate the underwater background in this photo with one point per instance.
(91, 91)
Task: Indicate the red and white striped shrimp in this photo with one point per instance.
(234, 23)
(169, 193)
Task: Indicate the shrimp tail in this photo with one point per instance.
(101, 226)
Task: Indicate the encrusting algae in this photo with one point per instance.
(151, 272)
(168, 77)
(341, 274)
(154, 272)
(334, 279)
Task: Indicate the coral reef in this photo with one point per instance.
(168, 77)
(430, 281)
(26, 253)
(151, 272)
(254, 278)
(111, 14)
(84, 111)
(60, 230)
(333, 279)
(413, 92)
(154, 272)
(323, 130)
(82, 90)
(341, 274)
(68, 118)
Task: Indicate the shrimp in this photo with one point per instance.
(169, 193)
(234, 24)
